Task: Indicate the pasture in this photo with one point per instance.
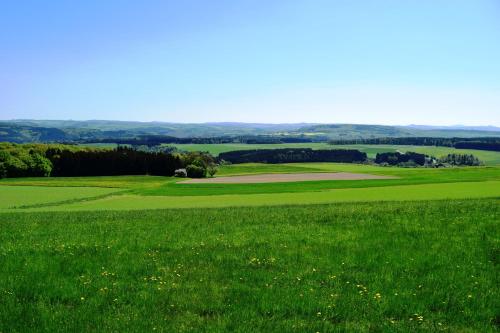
(19, 196)
(416, 252)
(488, 157)
(148, 192)
(396, 267)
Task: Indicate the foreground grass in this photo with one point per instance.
(395, 267)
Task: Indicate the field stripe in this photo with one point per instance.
(18, 196)
(486, 189)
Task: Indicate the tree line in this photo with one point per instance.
(403, 159)
(489, 143)
(119, 161)
(154, 140)
(411, 159)
(64, 161)
(479, 145)
(293, 155)
(460, 159)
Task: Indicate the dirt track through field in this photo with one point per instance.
(285, 177)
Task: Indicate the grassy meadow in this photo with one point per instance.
(487, 157)
(416, 253)
(364, 267)
(18, 196)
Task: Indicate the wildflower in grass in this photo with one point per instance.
(377, 296)
(417, 318)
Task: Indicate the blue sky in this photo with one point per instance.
(381, 62)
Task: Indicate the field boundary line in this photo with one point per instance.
(69, 201)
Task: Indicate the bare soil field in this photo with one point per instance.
(285, 177)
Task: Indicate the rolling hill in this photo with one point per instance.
(21, 131)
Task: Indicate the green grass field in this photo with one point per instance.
(15, 196)
(216, 149)
(395, 267)
(464, 190)
(488, 157)
(151, 192)
(144, 253)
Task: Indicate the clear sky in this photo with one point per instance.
(334, 61)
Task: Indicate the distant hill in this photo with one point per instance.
(457, 127)
(357, 131)
(180, 130)
(78, 131)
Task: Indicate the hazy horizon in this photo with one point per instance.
(457, 126)
(344, 62)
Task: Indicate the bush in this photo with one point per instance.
(16, 167)
(182, 173)
(195, 171)
(39, 166)
(212, 170)
(198, 158)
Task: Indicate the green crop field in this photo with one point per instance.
(418, 252)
